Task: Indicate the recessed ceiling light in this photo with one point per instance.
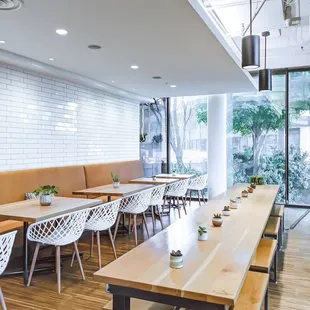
(2, 41)
(156, 77)
(51, 59)
(173, 86)
(94, 47)
(62, 32)
(113, 81)
(135, 67)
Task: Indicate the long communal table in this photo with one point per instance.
(214, 270)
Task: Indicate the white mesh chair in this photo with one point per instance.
(156, 204)
(58, 231)
(101, 218)
(6, 245)
(133, 205)
(177, 190)
(198, 184)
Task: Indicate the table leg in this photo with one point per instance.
(121, 302)
(25, 252)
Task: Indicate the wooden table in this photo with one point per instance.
(31, 211)
(108, 190)
(175, 176)
(158, 181)
(214, 270)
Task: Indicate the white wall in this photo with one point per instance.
(48, 122)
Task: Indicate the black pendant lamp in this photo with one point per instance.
(250, 48)
(265, 75)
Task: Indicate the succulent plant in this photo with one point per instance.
(176, 253)
(226, 208)
(253, 185)
(202, 230)
(115, 177)
(245, 191)
(233, 200)
(217, 216)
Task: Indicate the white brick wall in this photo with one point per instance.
(47, 122)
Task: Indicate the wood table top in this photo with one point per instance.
(158, 181)
(109, 190)
(214, 270)
(31, 210)
(175, 176)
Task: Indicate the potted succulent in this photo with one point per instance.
(176, 259)
(238, 199)
(217, 220)
(245, 193)
(260, 180)
(174, 172)
(46, 193)
(115, 179)
(250, 190)
(154, 177)
(202, 233)
(226, 211)
(253, 185)
(235, 203)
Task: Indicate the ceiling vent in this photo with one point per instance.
(10, 5)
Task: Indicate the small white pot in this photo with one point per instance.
(154, 178)
(226, 213)
(234, 205)
(46, 200)
(245, 195)
(116, 184)
(174, 174)
(203, 237)
(217, 222)
(239, 200)
(176, 262)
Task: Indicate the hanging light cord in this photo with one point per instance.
(265, 51)
(250, 17)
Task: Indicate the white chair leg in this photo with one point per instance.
(33, 263)
(2, 301)
(135, 227)
(145, 224)
(58, 268)
(78, 259)
(92, 244)
(99, 249)
(112, 241)
(116, 225)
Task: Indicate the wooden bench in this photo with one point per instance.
(253, 292)
(138, 304)
(266, 254)
(278, 211)
(9, 225)
(272, 227)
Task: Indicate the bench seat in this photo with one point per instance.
(253, 291)
(264, 255)
(138, 304)
(272, 227)
(9, 225)
(277, 210)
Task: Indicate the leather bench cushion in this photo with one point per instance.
(100, 174)
(14, 184)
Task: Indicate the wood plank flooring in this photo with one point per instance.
(291, 293)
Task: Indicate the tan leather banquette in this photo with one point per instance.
(14, 184)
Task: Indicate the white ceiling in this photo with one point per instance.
(284, 44)
(164, 38)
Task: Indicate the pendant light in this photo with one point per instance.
(265, 75)
(250, 48)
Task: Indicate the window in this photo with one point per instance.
(299, 138)
(257, 138)
(188, 134)
(153, 137)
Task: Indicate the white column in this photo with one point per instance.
(217, 157)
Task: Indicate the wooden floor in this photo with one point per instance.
(291, 293)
